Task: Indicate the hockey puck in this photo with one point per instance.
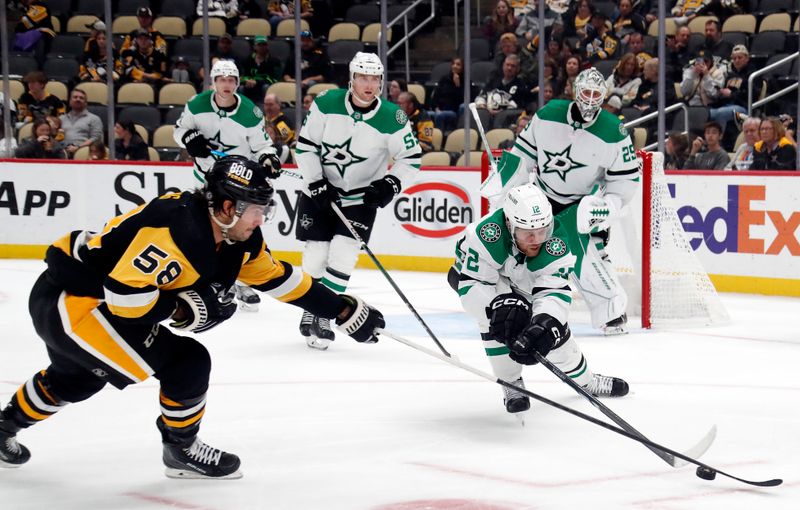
(706, 473)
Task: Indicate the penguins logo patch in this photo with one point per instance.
(555, 247)
(490, 232)
(401, 117)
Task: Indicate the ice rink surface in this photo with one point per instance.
(385, 427)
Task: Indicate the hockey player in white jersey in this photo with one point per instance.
(219, 119)
(343, 153)
(579, 154)
(512, 275)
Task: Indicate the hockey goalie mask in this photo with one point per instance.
(529, 218)
(367, 64)
(590, 92)
(224, 68)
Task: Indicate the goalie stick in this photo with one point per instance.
(705, 468)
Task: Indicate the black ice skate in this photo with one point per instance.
(603, 386)
(306, 321)
(12, 454)
(618, 326)
(193, 459)
(515, 401)
(248, 298)
(319, 334)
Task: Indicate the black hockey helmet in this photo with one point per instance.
(238, 179)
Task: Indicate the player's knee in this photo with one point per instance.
(71, 386)
(187, 373)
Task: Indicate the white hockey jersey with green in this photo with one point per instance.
(351, 149)
(238, 132)
(490, 264)
(566, 159)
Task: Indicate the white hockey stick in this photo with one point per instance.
(490, 187)
(688, 457)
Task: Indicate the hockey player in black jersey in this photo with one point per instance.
(99, 304)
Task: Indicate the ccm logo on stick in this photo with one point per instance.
(434, 209)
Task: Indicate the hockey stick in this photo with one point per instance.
(698, 450)
(707, 470)
(487, 188)
(283, 171)
(380, 267)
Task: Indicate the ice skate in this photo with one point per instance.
(604, 386)
(306, 321)
(12, 454)
(193, 459)
(618, 326)
(321, 334)
(248, 298)
(514, 400)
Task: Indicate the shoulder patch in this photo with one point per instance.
(555, 247)
(490, 232)
(323, 93)
(258, 113)
(401, 117)
(622, 129)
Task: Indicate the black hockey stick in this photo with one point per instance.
(708, 471)
(380, 267)
(698, 450)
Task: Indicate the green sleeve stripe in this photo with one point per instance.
(497, 351)
(463, 290)
(562, 297)
(301, 151)
(518, 146)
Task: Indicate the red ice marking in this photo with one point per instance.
(444, 504)
(165, 501)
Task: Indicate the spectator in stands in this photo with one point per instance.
(501, 21)
(577, 18)
(283, 152)
(743, 158)
(81, 127)
(646, 99)
(260, 70)
(528, 26)
(506, 91)
(274, 116)
(421, 123)
(227, 10)
(570, 70)
(249, 9)
(181, 73)
(774, 151)
(8, 144)
(518, 127)
(316, 66)
(551, 78)
(599, 43)
(41, 144)
(676, 148)
(733, 95)
(98, 151)
(34, 26)
(145, 17)
(94, 61)
(636, 46)
(678, 55)
(627, 22)
(708, 154)
(37, 102)
(613, 105)
(279, 10)
(395, 88)
(308, 100)
(624, 81)
(714, 43)
(686, 10)
(702, 80)
(447, 100)
(128, 145)
(94, 29)
(55, 128)
(508, 45)
(143, 64)
(224, 49)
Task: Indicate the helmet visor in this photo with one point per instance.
(249, 211)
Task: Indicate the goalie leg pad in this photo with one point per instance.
(599, 285)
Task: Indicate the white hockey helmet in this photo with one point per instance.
(224, 68)
(527, 207)
(366, 63)
(590, 91)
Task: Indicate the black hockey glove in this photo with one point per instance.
(508, 315)
(381, 192)
(543, 333)
(201, 310)
(272, 164)
(196, 144)
(322, 193)
(361, 321)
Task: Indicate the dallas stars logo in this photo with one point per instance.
(561, 163)
(220, 145)
(339, 156)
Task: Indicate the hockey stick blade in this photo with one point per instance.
(457, 363)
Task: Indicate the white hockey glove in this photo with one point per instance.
(201, 310)
(595, 213)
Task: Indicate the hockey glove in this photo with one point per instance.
(322, 193)
(201, 310)
(272, 164)
(382, 191)
(196, 144)
(508, 315)
(543, 333)
(595, 213)
(361, 320)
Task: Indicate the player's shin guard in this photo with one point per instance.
(342, 259)
(182, 418)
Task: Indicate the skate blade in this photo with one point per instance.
(247, 307)
(318, 343)
(615, 330)
(184, 474)
(520, 417)
(8, 465)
